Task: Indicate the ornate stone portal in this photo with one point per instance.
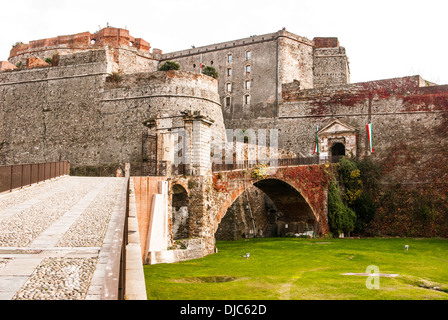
(337, 138)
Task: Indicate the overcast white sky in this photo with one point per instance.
(383, 39)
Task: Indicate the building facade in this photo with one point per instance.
(251, 71)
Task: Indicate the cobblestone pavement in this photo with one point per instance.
(51, 236)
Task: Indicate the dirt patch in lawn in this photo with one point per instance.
(207, 279)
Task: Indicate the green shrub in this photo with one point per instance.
(350, 176)
(169, 65)
(115, 77)
(210, 71)
(370, 174)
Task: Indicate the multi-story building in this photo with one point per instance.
(251, 71)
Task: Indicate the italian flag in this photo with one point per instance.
(316, 143)
(369, 135)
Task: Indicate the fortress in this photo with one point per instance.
(96, 99)
(84, 97)
(88, 94)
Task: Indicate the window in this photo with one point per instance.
(247, 85)
(229, 72)
(229, 58)
(247, 99)
(248, 55)
(248, 69)
(227, 101)
(229, 87)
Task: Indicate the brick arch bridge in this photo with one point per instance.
(301, 188)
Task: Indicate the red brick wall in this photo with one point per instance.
(326, 42)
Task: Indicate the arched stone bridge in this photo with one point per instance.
(295, 190)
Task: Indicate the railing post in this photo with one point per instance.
(21, 176)
(10, 180)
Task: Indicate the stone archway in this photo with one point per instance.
(285, 212)
(180, 215)
(296, 216)
(338, 149)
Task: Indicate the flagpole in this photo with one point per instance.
(369, 136)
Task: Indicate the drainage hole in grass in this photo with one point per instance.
(206, 279)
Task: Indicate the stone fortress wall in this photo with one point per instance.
(89, 104)
(399, 109)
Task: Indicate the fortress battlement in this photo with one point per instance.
(227, 45)
(105, 37)
(110, 37)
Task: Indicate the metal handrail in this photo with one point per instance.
(286, 162)
(20, 175)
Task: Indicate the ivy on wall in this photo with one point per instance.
(350, 204)
(341, 218)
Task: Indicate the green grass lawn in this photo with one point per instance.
(306, 269)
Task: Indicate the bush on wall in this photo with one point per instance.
(210, 71)
(169, 65)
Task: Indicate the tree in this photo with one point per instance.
(169, 65)
(210, 71)
(341, 218)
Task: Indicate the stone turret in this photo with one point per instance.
(330, 63)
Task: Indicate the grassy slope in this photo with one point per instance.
(306, 269)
